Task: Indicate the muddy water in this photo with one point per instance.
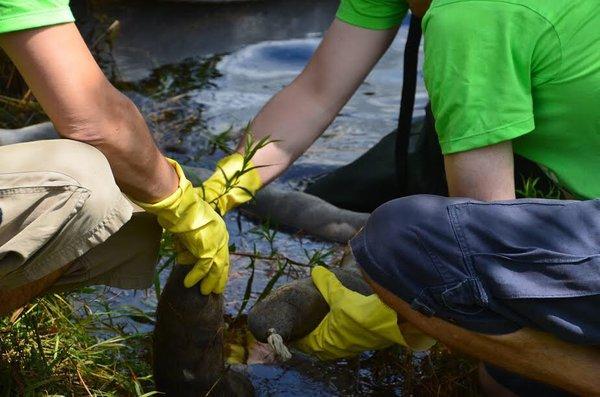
(197, 70)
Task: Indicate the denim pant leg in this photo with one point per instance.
(409, 247)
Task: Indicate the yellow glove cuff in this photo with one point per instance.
(183, 185)
(182, 203)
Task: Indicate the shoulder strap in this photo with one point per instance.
(407, 103)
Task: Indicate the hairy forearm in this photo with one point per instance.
(139, 168)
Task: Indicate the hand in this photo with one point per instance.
(200, 234)
(233, 183)
(355, 323)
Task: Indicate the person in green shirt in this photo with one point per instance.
(514, 283)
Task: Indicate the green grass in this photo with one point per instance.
(531, 189)
(51, 348)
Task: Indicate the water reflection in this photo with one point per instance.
(270, 59)
(157, 33)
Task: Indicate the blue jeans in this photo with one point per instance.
(490, 267)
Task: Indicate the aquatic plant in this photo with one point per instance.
(232, 182)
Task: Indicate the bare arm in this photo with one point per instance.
(484, 174)
(299, 114)
(84, 106)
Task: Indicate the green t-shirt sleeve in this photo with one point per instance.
(479, 61)
(372, 14)
(28, 14)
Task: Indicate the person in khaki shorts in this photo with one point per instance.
(64, 218)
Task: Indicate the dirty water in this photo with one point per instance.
(198, 70)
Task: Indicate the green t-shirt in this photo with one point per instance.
(28, 14)
(521, 70)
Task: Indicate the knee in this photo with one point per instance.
(394, 248)
(398, 222)
(87, 168)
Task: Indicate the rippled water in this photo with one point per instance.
(253, 74)
(198, 70)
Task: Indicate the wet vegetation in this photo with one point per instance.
(66, 344)
(170, 81)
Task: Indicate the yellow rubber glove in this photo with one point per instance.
(355, 323)
(231, 184)
(200, 234)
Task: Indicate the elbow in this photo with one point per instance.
(99, 122)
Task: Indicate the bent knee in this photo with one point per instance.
(66, 162)
(399, 246)
(90, 169)
(410, 211)
(400, 223)
(85, 164)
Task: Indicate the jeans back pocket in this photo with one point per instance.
(532, 248)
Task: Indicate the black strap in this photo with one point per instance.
(407, 103)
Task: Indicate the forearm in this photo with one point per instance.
(299, 114)
(84, 106)
(293, 119)
(140, 169)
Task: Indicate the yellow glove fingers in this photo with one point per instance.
(329, 341)
(222, 282)
(210, 282)
(200, 233)
(355, 323)
(218, 270)
(200, 269)
(223, 257)
(210, 191)
(215, 281)
(327, 283)
(205, 242)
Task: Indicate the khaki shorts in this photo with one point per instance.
(59, 206)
